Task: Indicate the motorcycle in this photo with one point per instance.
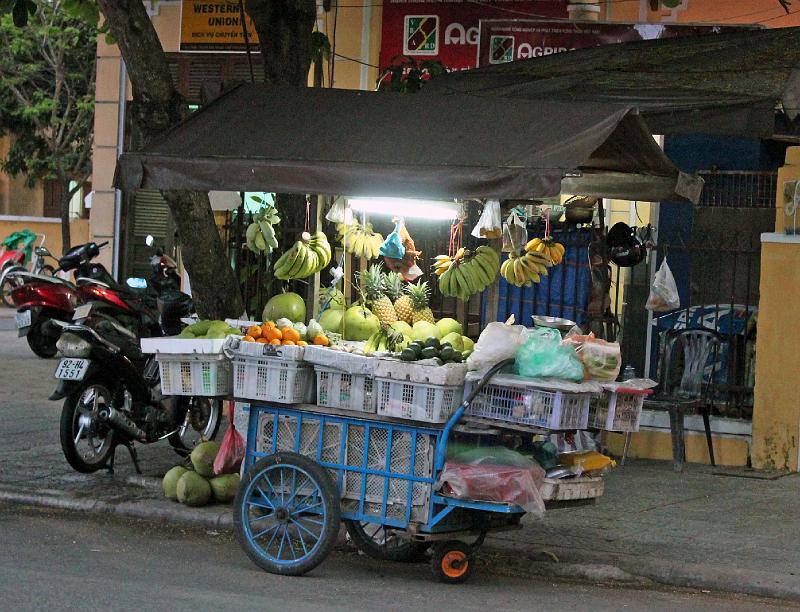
(10, 266)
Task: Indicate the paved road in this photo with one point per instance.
(65, 561)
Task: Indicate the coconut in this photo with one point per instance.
(203, 457)
(193, 489)
(402, 327)
(224, 487)
(170, 482)
(331, 320)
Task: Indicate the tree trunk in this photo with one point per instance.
(157, 106)
(66, 198)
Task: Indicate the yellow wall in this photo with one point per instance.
(79, 231)
(768, 12)
(648, 444)
(15, 197)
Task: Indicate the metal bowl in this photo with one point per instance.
(554, 322)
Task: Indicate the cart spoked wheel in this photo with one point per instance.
(452, 562)
(286, 514)
(385, 543)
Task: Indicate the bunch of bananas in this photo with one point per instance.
(260, 234)
(307, 256)
(548, 247)
(466, 273)
(385, 339)
(360, 240)
(525, 269)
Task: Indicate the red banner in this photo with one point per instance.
(448, 30)
(506, 40)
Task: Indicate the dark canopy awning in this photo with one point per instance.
(724, 84)
(302, 140)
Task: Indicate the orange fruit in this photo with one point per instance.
(290, 333)
(262, 340)
(254, 331)
(273, 333)
(248, 338)
(321, 340)
(302, 343)
(288, 342)
(275, 341)
(268, 325)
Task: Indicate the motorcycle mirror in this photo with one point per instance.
(136, 283)
(149, 240)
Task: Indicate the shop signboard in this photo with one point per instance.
(447, 30)
(214, 26)
(507, 40)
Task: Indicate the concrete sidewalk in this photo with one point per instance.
(720, 530)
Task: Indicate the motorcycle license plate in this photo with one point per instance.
(23, 319)
(81, 312)
(72, 369)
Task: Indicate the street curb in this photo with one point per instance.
(637, 572)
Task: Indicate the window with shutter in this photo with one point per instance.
(53, 194)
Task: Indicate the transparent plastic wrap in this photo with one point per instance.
(664, 291)
(542, 355)
(493, 474)
(497, 342)
(601, 360)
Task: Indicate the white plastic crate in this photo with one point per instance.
(337, 389)
(532, 406)
(417, 401)
(196, 374)
(272, 379)
(616, 411)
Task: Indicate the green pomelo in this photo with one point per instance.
(224, 487)
(455, 341)
(170, 482)
(331, 320)
(468, 343)
(336, 299)
(286, 305)
(203, 457)
(402, 327)
(193, 489)
(448, 325)
(359, 323)
(422, 330)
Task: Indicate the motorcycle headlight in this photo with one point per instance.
(71, 345)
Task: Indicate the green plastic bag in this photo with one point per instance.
(543, 356)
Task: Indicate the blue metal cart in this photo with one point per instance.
(306, 470)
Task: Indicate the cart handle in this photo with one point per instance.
(453, 420)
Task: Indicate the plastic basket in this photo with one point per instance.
(337, 389)
(531, 406)
(616, 411)
(416, 401)
(196, 374)
(272, 380)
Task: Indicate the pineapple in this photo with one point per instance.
(393, 282)
(373, 285)
(420, 294)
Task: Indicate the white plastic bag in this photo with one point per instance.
(489, 225)
(340, 212)
(514, 233)
(497, 342)
(664, 291)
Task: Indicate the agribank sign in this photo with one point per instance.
(448, 30)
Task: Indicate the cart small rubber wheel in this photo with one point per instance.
(286, 514)
(451, 562)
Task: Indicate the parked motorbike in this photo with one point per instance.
(113, 397)
(13, 261)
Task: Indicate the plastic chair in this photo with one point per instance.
(695, 345)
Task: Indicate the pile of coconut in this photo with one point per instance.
(197, 485)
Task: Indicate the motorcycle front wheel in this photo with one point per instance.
(86, 441)
(200, 423)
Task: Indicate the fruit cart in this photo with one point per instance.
(307, 468)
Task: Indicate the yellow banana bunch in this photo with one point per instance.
(547, 247)
(526, 269)
(466, 273)
(360, 240)
(308, 255)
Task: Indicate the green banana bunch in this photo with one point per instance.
(467, 273)
(386, 340)
(308, 255)
(260, 234)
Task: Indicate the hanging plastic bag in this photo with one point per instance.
(231, 451)
(393, 245)
(664, 291)
(497, 342)
(339, 212)
(490, 225)
(515, 235)
(543, 356)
